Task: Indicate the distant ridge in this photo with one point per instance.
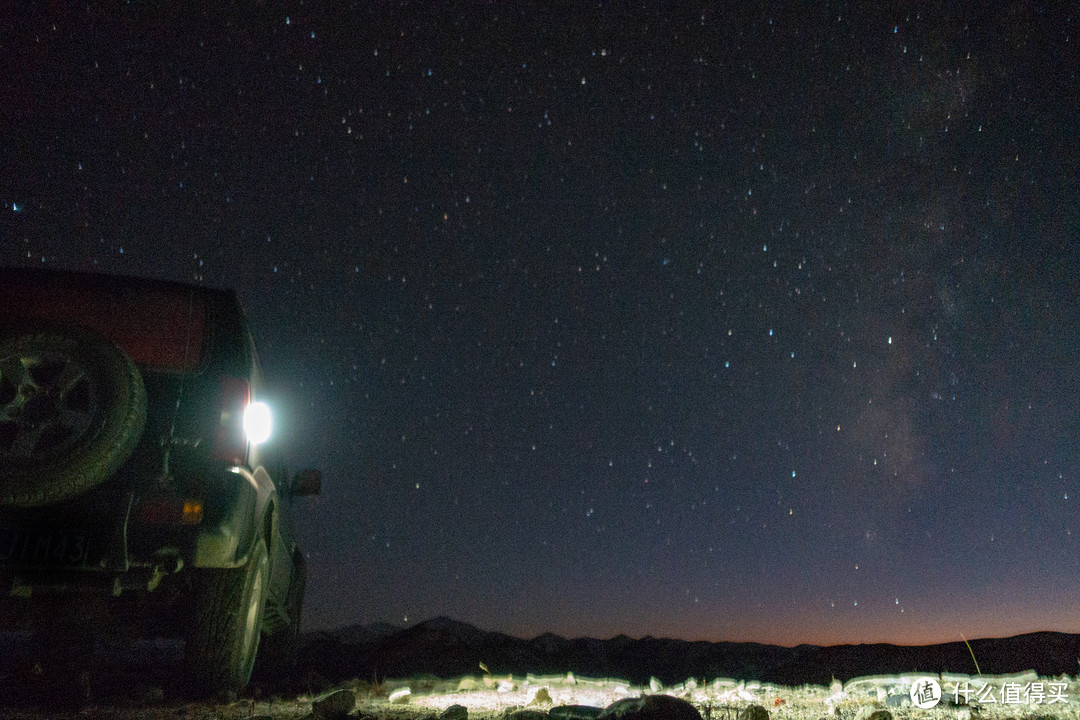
(449, 648)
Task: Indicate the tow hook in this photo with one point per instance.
(158, 574)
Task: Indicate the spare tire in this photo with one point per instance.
(72, 409)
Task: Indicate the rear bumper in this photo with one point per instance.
(128, 550)
(91, 601)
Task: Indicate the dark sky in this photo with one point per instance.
(748, 322)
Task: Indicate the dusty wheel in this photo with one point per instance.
(72, 410)
(223, 638)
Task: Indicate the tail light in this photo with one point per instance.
(242, 422)
(230, 444)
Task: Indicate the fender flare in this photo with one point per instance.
(248, 516)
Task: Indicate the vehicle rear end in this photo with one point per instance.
(121, 410)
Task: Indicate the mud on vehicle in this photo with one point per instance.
(133, 486)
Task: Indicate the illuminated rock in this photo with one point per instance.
(651, 707)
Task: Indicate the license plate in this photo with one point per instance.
(44, 547)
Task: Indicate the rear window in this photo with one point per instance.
(161, 328)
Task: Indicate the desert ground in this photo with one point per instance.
(488, 697)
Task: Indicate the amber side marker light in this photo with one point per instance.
(171, 511)
(192, 512)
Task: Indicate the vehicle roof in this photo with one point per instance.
(107, 281)
(159, 323)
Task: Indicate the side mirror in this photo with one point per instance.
(307, 482)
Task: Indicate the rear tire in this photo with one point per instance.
(223, 639)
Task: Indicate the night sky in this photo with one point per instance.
(755, 322)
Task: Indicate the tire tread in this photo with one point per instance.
(213, 650)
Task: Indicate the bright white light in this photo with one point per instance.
(258, 423)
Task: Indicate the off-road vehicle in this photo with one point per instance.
(133, 489)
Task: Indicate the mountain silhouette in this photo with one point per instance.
(449, 648)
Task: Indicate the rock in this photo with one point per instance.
(334, 706)
(527, 715)
(754, 712)
(467, 684)
(455, 712)
(655, 685)
(542, 697)
(401, 695)
(574, 712)
(506, 686)
(652, 707)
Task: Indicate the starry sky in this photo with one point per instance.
(723, 321)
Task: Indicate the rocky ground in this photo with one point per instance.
(552, 697)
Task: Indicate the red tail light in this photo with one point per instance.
(230, 444)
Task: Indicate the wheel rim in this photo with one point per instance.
(251, 620)
(48, 403)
